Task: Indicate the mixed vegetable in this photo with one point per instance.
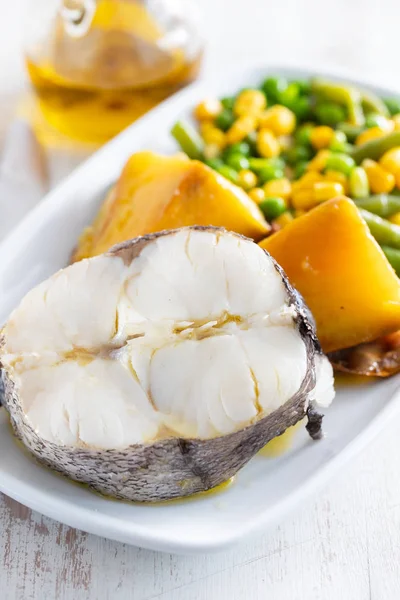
(292, 145)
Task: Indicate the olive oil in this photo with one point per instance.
(90, 87)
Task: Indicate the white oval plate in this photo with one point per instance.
(266, 489)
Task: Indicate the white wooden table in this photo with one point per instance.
(345, 543)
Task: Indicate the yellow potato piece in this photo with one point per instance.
(165, 192)
(334, 262)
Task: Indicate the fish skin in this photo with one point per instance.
(173, 467)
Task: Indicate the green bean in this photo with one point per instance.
(351, 131)
(385, 233)
(301, 107)
(375, 148)
(383, 205)
(375, 120)
(393, 256)
(303, 135)
(393, 105)
(238, 148)
(373, 103)
(330, 113)
(188, 139)
(289, 95)
(346, 95)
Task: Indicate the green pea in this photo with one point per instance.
(214, 163)
(289, 95)
(329, 113)
(338, 142)
(272, 207)
(273, 87)
(225, 119)
(340, 162)
(237, 161)
(293, 155)
(257, 165)
(304, 86)
(300, 169)
(229, 173)
(270, 172)
(303, 134)
(301, 107)
(239, 148)
(393, 105)
(375, 120)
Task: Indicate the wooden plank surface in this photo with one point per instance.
(345, 543)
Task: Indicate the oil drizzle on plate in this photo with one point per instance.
(282, 443)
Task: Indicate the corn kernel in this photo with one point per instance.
(321, 137)
(208, 109)
(267, 144)
(240, 129)
(283, 219)
(395, 218)
(380, 181)
(325, 190)
(318, 163)
(303, 199)
(370, 134)
(306, 181)
(279, 119)
(390, 161)
(278, 187)
(257, 195)
(211, 151)
(214, 136)
(396, 122)
(250, 102)
(338, 177)
(247, 179)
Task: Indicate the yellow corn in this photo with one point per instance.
(395, 218)
(279, 119)
(306, 181)
(321, 137)
(370, 134)
(240, 129)
(337, 177)
(249, 102)
(213, 135)
(325, 190)
(283, 219)
(257, 195)
(208, 109)
(267, 144)
(390, 161)
(278, 187)
(318, 163)
(380, 181)
(211, 151)
(247, 179)
(396, 122)
(303, 199)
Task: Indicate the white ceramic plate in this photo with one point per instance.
(266, 489)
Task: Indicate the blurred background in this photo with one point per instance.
(58, 46)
